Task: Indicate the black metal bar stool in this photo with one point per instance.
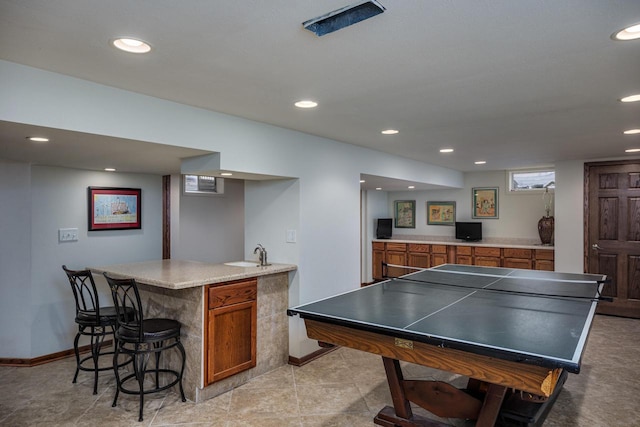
(93, 321)
(139, 338)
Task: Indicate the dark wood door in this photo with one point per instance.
(612, 236)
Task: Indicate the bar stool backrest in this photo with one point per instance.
(85, 293)
(126, 298)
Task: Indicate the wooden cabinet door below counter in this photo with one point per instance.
(463, 255)
(544, 259)
(418, 255)
(396, 258)
(487, 256)
(419, 259)
(439, 255)
(231, 329)
(231, 336)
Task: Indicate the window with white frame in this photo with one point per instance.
(531, 180)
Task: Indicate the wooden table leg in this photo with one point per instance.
(491, 406)
(401, 414)
(394, 378)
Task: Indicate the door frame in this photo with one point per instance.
(587, 171)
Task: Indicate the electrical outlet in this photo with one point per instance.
(67, 235)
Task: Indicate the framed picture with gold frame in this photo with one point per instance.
(441, 213)
(405, 213)
(485, 203)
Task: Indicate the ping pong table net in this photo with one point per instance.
(597, 289)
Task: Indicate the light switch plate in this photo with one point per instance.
(291, 236)
(67, 235)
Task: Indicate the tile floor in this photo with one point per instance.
(343, 388)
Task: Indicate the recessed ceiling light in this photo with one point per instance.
(632, 150)
(131, 45)
(411, 187)
(37, 139)
(226, 174)
(362, 181)
(378, 188)
(110, 169)
(631, 131)
(480, 162)
(305, 103)
(446, 150)
(629, 33)
(389, 132)
(631, 98)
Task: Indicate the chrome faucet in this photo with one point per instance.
(262, 256)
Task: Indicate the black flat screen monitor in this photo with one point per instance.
(469, 231)
(384, 228)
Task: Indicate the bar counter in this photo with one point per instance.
(176, 289)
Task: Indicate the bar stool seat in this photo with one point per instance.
(106, 315)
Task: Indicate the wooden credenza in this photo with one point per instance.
(427, 255)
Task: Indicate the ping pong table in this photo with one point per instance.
(510, 331)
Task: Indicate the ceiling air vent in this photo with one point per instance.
(343, 17)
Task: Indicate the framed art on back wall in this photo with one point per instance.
(405, 213)
(112, 208)
(485, 203)
(441, 213)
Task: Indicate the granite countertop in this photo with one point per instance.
(490, 242)
(181, 274)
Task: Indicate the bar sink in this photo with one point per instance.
(242, 264)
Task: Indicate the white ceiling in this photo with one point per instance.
(88, 151)
(515, 83)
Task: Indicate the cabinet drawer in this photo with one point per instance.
(398, 247)
(494, 252)
(544, 264)
(232, 293)
(378, 246)
(517, 263)
(463, 250)
(413, 247)
(488, 261)
(544, 254)
(517, 253)
(439, 249)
